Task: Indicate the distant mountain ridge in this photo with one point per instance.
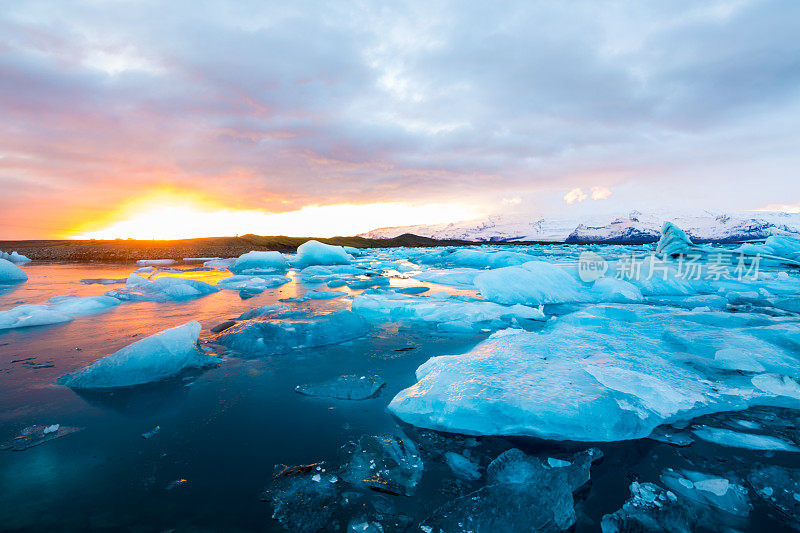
(635, 227)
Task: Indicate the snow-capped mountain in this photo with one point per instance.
(633, 227)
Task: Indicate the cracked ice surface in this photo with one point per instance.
(604, 373)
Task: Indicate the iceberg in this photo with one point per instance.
(316, 253)
(163, 355)
(58, 310)
(315, 295)
(256, 261)
(155, 262)
(532, 283)
(14, 257)
(161, 289)
(11, 273)
(604, 373)
(327, 273)
(263, 336)
(82, 305)
(252, 283)
(28, 315)
(447, 313)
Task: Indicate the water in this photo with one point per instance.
(224, 430)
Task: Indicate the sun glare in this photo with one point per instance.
(183, 217)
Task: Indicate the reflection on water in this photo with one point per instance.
(224, 430)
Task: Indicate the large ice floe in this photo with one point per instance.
(259, 262)
(15, 257)
(163, 355)
(442, 311)
(605, 373)
(11, 273)
(59, 309)
(161, 289)
(316, 253)
(265, 336)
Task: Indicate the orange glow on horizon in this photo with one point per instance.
(172, 215)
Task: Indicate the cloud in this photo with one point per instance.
(274, 107)
(575, 195)
(601, 193)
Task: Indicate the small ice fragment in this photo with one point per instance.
(151, 433)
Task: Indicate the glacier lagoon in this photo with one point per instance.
(491, 388)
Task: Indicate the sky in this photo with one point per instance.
(159, 119)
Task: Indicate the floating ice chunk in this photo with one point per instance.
(27, 315)
(256, 260)
(388, 464)
(163, 355)
(708, 490)
(155, 262)
(670, 435)
(14, 257)
(750, 441)
(779, 487)
(412, 290)
(374, 281)
(612, 289)
(152, 433)
(603, 373)
(299, 503)
(316, 253)
(103, 281)
(11, 273)
(674, 240)
(252, 283)
(650, 509)
(444, 312)
(328, 273)
(736, 359)
(777, 385)
(462, 278)
(261, 336)
(519, 490)
(219, 263)
(274, 311)
(532, 283)
(315, 295)
(82, 305)
(200, 259)
(35, 435)
(162, 288)
(350, 387)
(462, 466)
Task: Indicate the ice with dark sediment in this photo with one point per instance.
(386, 463)
(347, 387)
(265, 336)
(35, 435)
(520, 489)
(304, 498)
